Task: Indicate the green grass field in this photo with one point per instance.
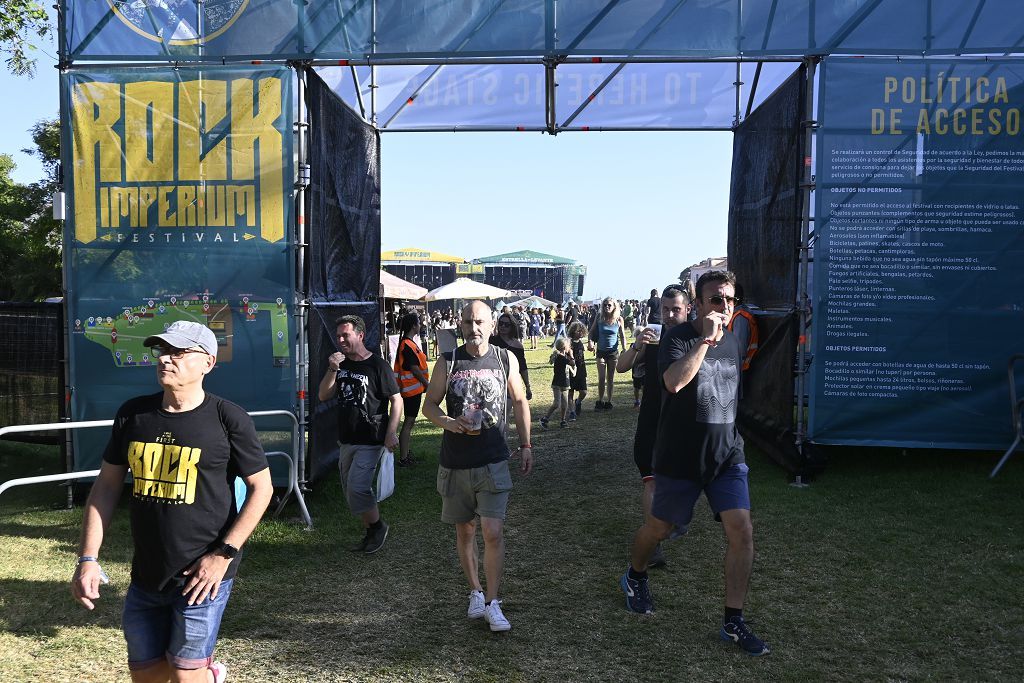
(891, 566)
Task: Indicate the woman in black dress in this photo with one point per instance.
(508, 338)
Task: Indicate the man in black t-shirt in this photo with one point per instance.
(698, 449)
(654, 308)
(675, 307)
(369, 409)
(477, 381)
(184, 448)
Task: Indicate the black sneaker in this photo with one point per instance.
(563, 424)
(638, 594)
(599, 405)
(361, 546)
(376, 538)
(544, 422)
(737, 631)
(608, 405)
(657, 559)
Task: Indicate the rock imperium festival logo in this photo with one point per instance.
(178, 22)
(178, 159)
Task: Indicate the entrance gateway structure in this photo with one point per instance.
(221, 162)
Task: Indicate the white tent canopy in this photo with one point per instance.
(393, 287)
(464, 288)
(534, 302)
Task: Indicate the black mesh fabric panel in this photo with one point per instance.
(31, 374)
(765, 209)
(343, 218)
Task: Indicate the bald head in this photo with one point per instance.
(477, 325)
(474, 308)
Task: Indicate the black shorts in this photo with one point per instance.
(411, 405)
(578, 382)
(611, 355)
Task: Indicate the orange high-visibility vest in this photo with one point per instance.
(407, 382)
(752, 345)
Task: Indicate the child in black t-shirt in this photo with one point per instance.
(565, 366)
(578, 382)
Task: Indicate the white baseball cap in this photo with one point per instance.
(183, 334)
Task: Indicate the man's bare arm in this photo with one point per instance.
(99, 510)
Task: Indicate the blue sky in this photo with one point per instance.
(636, 208)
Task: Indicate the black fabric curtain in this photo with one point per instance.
(343, 219)
(765, 211)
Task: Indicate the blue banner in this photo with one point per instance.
(919, 298)
(182, 30)
(180, 188)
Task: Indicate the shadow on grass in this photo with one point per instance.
(39, 608)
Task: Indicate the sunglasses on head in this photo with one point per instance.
(718, 300)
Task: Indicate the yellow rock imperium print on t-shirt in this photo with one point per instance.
(164, 471)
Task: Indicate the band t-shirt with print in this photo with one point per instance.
(476, 385)
(365, 388)
(697, 435)
(183, 470)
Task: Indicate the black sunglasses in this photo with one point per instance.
(718, 300)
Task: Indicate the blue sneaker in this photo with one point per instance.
(638, 594)
(737, 631)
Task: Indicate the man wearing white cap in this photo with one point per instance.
(184, 448)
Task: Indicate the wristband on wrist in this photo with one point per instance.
(525, 445)
(87, 558)
(709, 342)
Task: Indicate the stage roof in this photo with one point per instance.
(407, 254)
(526, 256)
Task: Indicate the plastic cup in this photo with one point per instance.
(475, 417)
(656, 328)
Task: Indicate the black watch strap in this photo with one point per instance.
(228, 550)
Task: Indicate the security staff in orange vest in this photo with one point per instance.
(412, 376)
(744, 326)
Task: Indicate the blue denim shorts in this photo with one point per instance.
(162, 625)
(674, 498)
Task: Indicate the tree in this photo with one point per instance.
(30, 240)
(20, 20)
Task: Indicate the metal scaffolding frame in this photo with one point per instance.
(549, 59)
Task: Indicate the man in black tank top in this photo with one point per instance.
(477, 381)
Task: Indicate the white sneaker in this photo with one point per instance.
(494, 617)
(219, 671)
(476, 605)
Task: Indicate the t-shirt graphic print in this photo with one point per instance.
(717, 384)
(352, 390)
(480, 389)
(164, 471)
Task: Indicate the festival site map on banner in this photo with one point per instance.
(123, 334)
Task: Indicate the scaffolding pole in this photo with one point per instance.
(803, 302)
(301, 298)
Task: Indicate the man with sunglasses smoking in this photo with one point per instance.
(698, 449)
(184, 447)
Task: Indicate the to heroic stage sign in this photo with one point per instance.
(179, 157)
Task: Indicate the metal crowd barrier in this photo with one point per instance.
(1017, 408)
(293, 476)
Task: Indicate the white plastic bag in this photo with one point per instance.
(385, 475)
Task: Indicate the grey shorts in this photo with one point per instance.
(358, 463)
(479, 491)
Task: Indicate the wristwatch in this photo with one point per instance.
(227, 550)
